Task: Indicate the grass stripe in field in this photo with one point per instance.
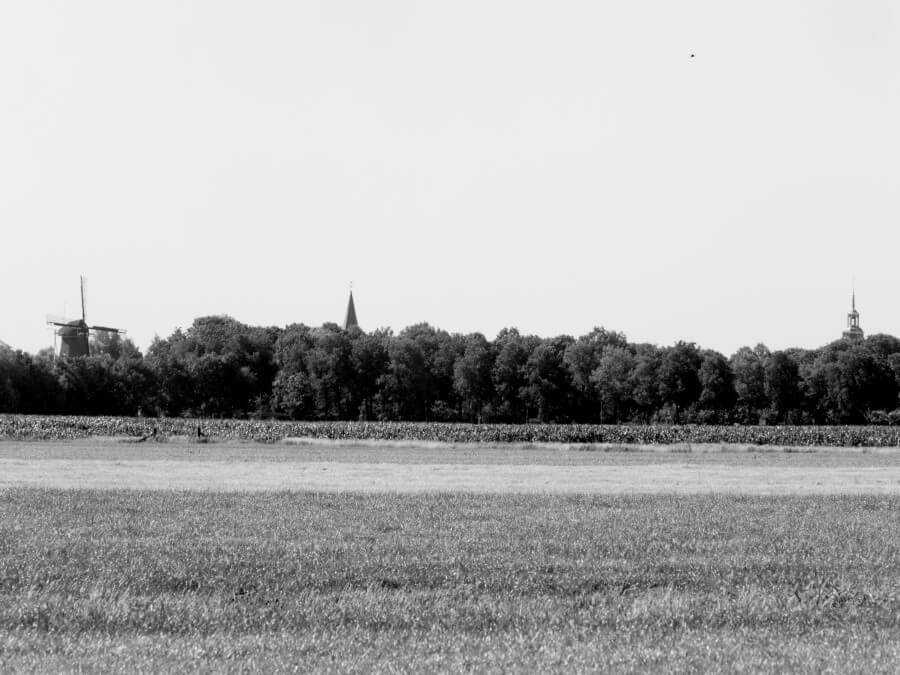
(412, 478)
(378, 452)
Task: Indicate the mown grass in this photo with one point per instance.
(316, 450)
(128, 580)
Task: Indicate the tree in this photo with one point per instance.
(11, 374)
(90, 387)
(549, 390)
(510, 374)
(405, 385)
(645, 381)
(679, 383)
(112, 344)
(472, 376)
(613, 380)
(439, 350)
(582, 358)
(717, 395)
(167, 360)
(882, 346)
(894, 365)
(848, 381)
(217, 367)
(370, 359)
(782, 387)
(748, 366)
(291, 388)
(330, 371)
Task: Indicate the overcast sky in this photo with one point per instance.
(551, 166)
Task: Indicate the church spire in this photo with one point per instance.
(853, 332)
(350, 320)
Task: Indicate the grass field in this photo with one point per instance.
(135, 580)
(381, 467)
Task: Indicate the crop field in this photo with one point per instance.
(41, 427)
(740, 570)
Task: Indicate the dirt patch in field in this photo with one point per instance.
(413, 478)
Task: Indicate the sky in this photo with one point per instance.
(722, 173)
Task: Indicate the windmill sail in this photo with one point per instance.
(75, 334)
(107, 329)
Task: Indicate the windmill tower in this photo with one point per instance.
(75, 335)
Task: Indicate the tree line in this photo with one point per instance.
(219, 367)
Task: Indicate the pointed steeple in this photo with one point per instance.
(350, 320)
(853, 332)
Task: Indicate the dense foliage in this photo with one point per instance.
(220, 367)
(132, 581)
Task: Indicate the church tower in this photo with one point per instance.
(853, 332)
(350, 320)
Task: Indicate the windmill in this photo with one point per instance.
(75, 334)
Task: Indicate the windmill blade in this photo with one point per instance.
(107, 329)
(75, 327)
(57, 319)
(83, 292)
